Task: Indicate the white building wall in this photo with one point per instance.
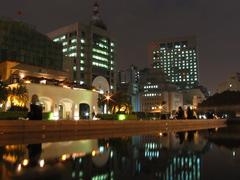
(53, 96)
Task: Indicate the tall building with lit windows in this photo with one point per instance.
(92, 48)
(177, 57)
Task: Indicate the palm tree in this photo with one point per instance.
(18, 96)
(3, 95)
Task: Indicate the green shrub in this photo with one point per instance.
(13, 115)
(46, 115)
(116, 116)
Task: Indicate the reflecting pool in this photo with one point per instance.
(193, 155)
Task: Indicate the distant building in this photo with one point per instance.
(23, 43)
(127, 82)
(156, 94)
(232, 83)
(194, 97)
(178, 59)
(92, 48)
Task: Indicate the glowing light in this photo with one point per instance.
(234, 153)
(64, 157)
(101, 149)
(108, 97)
(27, 82)
(55, 116)
(41, 163)
(160, 134)
(111, 154)
(44, 81)
(122, 117)
(25, 162)
(21, 75)
(19, 167)
(101, 91)
(93, 153)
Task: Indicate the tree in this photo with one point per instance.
(120, 103)
(117, 103)
(18, 96)
(3, 95)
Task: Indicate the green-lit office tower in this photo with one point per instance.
(177, 57)
(92, 48)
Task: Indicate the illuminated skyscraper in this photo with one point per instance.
(92, 48)
(177, 57)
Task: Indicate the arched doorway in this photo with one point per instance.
(84, 111)
(60, 111)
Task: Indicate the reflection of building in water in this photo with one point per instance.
(168, 156)
(94, 166)
(145, 157)
(183, 166)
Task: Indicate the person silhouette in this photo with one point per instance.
(34, 154)
(35, 109)
(180, 113)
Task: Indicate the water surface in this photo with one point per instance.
(193, 155)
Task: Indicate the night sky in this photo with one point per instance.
(135, 23)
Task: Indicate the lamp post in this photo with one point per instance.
(107, 97)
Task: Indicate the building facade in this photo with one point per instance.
(128, 82)
(156, 93)
(23, 43)
(177, 58)
(92, 48)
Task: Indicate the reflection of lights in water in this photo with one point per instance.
(101, 149)
(111, 154)
(234, 153)
(64, 157)
(73, 174)
(19, 167)
(41, 163)
(93, 153)
(25, 162)
(216, 129)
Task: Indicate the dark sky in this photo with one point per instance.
(135, 23)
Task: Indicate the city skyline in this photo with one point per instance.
(135, 24)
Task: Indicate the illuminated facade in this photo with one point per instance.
(177, 57)
(92, 48)
(156, 94)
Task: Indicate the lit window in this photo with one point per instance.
(82, 41)
(73, 40)
(63, 37)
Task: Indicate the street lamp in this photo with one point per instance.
(108, 98)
